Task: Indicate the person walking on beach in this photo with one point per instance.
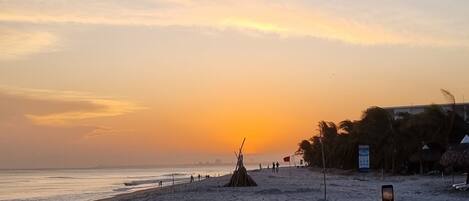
(199, 177)
(192, 179)
(277, 166)
(273, 166)
(260, 166)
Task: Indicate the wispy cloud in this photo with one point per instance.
(15, 44)
(101, 130)
(76, 106)
(285, 18)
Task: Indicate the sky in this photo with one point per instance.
(87, 83)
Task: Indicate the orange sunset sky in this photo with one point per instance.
(87, 83)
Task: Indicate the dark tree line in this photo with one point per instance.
(395, 143)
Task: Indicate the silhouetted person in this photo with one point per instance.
(277, 166)
(273, 166)
(260, 166)
(199, 177)
(192, 178)
(161, 183)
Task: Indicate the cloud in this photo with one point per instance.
(62, 108)
(53, 128)
(101, 130)
(15, 44)
(398, 25)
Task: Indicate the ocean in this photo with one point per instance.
(92, 184)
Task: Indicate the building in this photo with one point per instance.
(461, 109)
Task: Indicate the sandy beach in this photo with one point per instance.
(305, 184)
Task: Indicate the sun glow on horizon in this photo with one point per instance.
(85, 83)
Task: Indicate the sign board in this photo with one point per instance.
(363, 158)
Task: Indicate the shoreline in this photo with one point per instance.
(305, 184)
(160, 190)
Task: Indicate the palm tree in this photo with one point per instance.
(374, 129)
(349, 139)
(306, 149)
(452, 101)
(393, 142)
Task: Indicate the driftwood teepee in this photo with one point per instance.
(240, 176)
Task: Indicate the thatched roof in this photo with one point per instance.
(457, 156)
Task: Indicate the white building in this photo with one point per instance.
(415, 109)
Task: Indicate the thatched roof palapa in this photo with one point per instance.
(457, 156)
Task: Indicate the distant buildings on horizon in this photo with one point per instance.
(461, 109)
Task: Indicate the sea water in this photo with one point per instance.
(92, 184)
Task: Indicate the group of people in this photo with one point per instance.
(192, 177)
(275, 166)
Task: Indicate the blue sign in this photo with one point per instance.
(363, 158)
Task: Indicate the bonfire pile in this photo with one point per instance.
(240, 176)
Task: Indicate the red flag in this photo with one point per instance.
(286, 159)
